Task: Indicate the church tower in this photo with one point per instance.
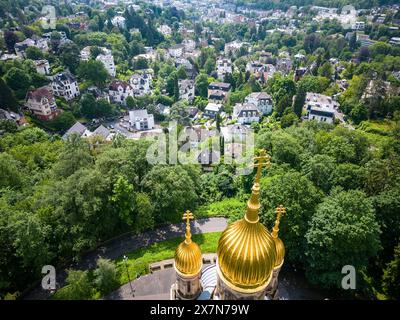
(246, 253)
(188, 264)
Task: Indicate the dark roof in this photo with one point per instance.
(219, 85)
(78, 128)
(321, 113)
(116, 83)
(102, 131)
(64, 76)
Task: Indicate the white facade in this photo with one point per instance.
(108, 61)
(141, 83)
(141, 120)
(186, 89)
(65, 85)
(246, 113)
(118, 21)
(320, 108)
(42, 67)
(20, 47)
(190, 45)
(85, 53)
(261, 100)
(176, 51)
(42, 103)
(118, 91)
(232, 47)
(224, 66)
(358, 25)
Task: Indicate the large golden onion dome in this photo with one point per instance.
(246, 250)
(188, 259)
(280, 248)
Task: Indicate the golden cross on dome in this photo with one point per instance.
(280, 210)
(263, 160)
(188, 216)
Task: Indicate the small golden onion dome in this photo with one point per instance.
(280, 253)
(280, 248)
(246, 250)
(188, 259)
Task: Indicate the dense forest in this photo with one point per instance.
(341, 189)
(340, 184)
(276, 4)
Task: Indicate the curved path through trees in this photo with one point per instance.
(117, 247)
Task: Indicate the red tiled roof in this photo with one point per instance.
(40, 93)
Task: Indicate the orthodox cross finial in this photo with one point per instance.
(188, 216)
(280, 210)
(263, 160)
(253, 205)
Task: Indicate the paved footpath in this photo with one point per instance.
(117, 247)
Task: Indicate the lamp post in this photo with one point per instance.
(127, 271)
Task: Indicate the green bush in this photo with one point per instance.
(228, 207)
(105, 275)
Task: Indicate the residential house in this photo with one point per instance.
(300, 57)
(265, 57)
(18, 118)
(189, 44)
(141, 120)
(108, 61)
(85, 53)
(224, 66)
(358, 25)
(20, 47)
(186, 90)
(232, 47)
(46, 39)
(176, 51)
(364, 40)
(119, 22)
(42, 66)
(119, 90)
(77, 129)
(41, 103)
(235, 133)
(164, 30)
(141, 83)
(218, 91)
(212, 109)
(319, 107)
(102, 131)
(64, 85)
(98, 93)
(189, 67)
(207, 157)
(299, 73)
(262, 100)
(260, 71)
(394, 40)
(246, 113)
(284, 65)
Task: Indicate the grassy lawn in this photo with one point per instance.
(225, 208)
(381, 127)
(139, 260)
